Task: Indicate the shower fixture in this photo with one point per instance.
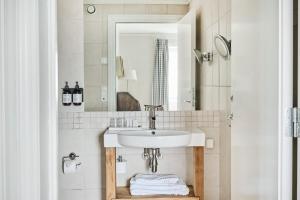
(223, 46)
(203, 56)
(91, 9)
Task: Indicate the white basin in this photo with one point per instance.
(142, 138)
(154, 138)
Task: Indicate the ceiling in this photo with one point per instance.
(137, 1)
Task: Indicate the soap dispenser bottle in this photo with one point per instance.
(66, 95)
(77, 95)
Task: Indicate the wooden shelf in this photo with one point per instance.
(123, 193)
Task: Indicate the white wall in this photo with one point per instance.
(213, 16)
(70, 47)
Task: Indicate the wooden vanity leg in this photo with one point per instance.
(199, 172)
(110, 162)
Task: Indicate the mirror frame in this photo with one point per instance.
(225, 42)
(113, 20)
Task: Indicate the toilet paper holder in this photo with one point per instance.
(71, 156)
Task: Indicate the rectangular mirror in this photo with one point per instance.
(150, 62)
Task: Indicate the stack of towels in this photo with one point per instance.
(157, 184)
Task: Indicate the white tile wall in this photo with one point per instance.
(214, 16)
(82, 133)
(70, 47)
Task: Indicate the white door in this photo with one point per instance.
(262, 93)
(186, 42)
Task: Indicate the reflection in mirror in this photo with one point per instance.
(146, 65)
(223, 46)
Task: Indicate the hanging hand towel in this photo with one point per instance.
(119, 67)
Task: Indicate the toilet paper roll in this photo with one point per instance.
(121, 167)
(69, 167)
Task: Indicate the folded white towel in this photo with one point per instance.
(154, 192)
(160, 187)
(157, 184)
(153, 179)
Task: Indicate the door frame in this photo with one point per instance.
(48, 59)
(28, 137)
(285, 160)
(2, 104)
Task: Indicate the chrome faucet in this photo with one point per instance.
(152, 116)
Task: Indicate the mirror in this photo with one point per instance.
(147, 65)
(223, 46)
(150, 62)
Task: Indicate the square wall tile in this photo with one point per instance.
(72, 37)
(215, 10)
(93, 142)
(92, 53)
(71, 141)
(135, 9)
(225, 103)
(94, 194)
(93, 31)
(93, 168)
(212, 171)
(177, 9)
(224, 7)
(71, 194)
(109, 9)
(72, 9)
(93, 76)
(157, 9)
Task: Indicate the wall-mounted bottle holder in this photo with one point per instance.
(72, 91)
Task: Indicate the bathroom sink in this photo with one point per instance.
(154, 138)
(144, 138)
